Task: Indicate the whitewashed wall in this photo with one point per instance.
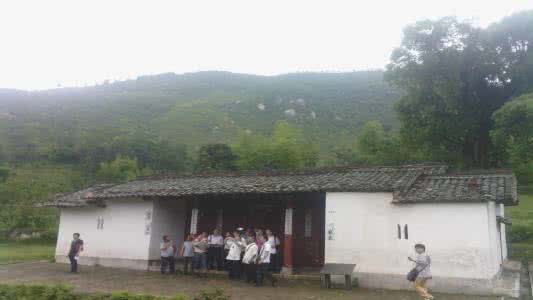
(361, 228)
(123, 236)
(168, 219)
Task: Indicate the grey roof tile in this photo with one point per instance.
(410, 183)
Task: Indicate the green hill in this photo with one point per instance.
(191, 109)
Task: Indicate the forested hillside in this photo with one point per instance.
(63, 139)
(70, 125)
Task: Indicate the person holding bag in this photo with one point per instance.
(421, 273)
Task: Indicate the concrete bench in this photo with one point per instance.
(345, 270)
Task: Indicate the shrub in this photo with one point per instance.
(217, 294)
(43, 292)
(520, 233)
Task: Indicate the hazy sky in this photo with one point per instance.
(68, 42)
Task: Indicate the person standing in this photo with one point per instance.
(227, 245)
(274, 243)
(168, 250)
(200, 257)
(187, 252)
(249, 261)
(215, 251)
(263, 263)
(76, 247)
(234, 255)
(422, 265)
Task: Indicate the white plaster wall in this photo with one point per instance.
(500, 211)
(365, 224)
(123, 235)
(168, 219)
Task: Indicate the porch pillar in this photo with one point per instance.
(220, 219)
(194, 220)
(288, 240)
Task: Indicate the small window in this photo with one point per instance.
(100, 223)
(405, 232)
(399, 232)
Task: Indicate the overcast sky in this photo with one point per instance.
(74, 43)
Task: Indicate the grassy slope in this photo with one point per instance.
(522, 215)
(13, 252)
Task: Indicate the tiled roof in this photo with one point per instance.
(405, 181)
(500, 188)
(75, 199)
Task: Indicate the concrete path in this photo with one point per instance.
(100, 279)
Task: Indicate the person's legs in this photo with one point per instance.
(260, 274)
(203, 263)
(73, 264)
(237, 268)
(210, 257)
(273, 258)
(268, 273)
(186, 261)
(172, 264)
(420, 287)
(249, 274)
(164, 263)
(196, 262)
(220, 258)
(230, 271)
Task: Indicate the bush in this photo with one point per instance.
(59, 292)
(217, 294)
(520, 233)
(43, 292)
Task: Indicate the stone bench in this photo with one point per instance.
(345, 270)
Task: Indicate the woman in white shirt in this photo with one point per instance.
(263, 266)
(249, 260)
(234, 255)
(274, 243)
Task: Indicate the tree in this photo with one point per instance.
(455, 77)
(513, 132)
(285, 149)
(4, 173)
(374, 146)
(121, 169)
(216, 157)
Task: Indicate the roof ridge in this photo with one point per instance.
(306, 171)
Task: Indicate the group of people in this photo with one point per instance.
(251, 255)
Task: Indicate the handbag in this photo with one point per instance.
(413, 274)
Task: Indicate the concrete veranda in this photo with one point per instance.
(101, 279)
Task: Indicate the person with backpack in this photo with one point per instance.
(421, 272)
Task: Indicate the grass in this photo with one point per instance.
(522, 217)
(14, 252)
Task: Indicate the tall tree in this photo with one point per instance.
(513, 131)
(216, 157)
(454, 78)
(285, 149)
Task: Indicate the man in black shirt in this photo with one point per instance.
(76, 247)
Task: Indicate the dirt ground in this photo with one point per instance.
(100, 279)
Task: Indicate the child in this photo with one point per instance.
(187, 252)
(423, 262)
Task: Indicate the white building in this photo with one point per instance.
(370, 217)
